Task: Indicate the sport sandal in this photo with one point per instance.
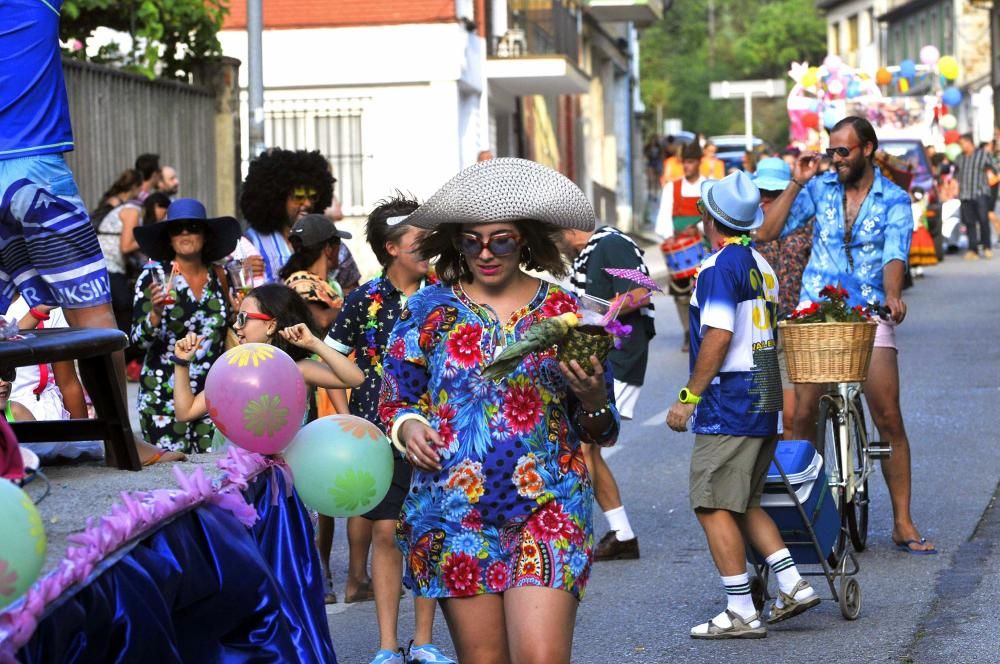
(791, 607)
(739, 628)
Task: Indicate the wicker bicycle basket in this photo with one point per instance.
(582, 342)
(827, 352)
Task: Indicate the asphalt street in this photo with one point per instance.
(915, 608)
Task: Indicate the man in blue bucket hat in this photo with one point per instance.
(734, 393)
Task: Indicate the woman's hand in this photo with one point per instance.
(158, 298)
(589, 389)
(187, 346)
(300, 335)
(256, 264)
(420, 441)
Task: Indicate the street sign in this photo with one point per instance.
(766, 87)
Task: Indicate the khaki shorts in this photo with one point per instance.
(728, 472)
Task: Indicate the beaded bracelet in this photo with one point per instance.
(802, 185)
(603, 410)
(180, 361)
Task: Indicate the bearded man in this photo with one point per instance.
(861, 242)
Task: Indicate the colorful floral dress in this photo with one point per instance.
(511, 505)
(205, 317)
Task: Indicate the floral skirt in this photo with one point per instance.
(547, 549)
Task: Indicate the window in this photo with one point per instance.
(332, 126)
(835, 38)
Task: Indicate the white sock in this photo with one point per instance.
(618, 521)
(783, 566)
(738, 596)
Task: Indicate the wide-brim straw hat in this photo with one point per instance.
(221, 233)
(505, 190)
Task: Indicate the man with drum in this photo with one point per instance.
(592, 252)
(678, 218)
(861, 242)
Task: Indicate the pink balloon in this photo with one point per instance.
(929, 55)
(256, 397)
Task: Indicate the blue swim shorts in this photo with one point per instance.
(48, 248)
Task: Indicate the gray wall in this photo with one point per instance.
(117, 116)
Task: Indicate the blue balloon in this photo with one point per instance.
(853, 89)
(952, 96)
(907, 68)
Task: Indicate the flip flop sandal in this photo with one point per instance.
(330, 597)
(907, 547)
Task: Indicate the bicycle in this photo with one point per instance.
(849, 455)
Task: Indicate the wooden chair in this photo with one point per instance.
(93, 349)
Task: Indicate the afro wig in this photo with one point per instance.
(271, 179)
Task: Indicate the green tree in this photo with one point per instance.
(680, 58)
(170, 37)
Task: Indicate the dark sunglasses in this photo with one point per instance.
(840, 151)
(175, 228)
(243, 316)
(501, 244)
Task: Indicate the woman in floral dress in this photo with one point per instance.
(497, 524)
(181, 248)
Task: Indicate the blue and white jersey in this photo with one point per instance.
(34, 108)
(737, 291)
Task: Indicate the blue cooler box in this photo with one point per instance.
(804, 468)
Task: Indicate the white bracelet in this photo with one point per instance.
(394, 434)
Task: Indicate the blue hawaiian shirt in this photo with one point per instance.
(881, 234)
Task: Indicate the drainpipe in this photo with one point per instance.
(255, 77)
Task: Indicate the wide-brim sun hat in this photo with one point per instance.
(504, 190)
(772, 174)
(733, 201)
(221, 233)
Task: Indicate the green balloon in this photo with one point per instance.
(342, 465)
(22, 547)
(953, 151)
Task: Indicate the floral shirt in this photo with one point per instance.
(511, 448)
(363, 326)
(205, 316)
(880, 234)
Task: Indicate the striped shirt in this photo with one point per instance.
(972, 174)
(273, 247)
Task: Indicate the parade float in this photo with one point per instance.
(915, 100)
(208, 561)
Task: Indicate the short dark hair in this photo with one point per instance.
(967, 137)
(722, 229)
(153, 201)
(540, 251)
(862, 129)
(147, 164)
(287, 308)
(377, 229)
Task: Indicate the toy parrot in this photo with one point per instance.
(543, 334)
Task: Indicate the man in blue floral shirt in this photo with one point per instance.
(861, 241)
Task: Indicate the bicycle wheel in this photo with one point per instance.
(828, 444)
(857, 515)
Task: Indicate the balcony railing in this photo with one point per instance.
(538, 27)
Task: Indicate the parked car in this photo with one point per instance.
(732, 147)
